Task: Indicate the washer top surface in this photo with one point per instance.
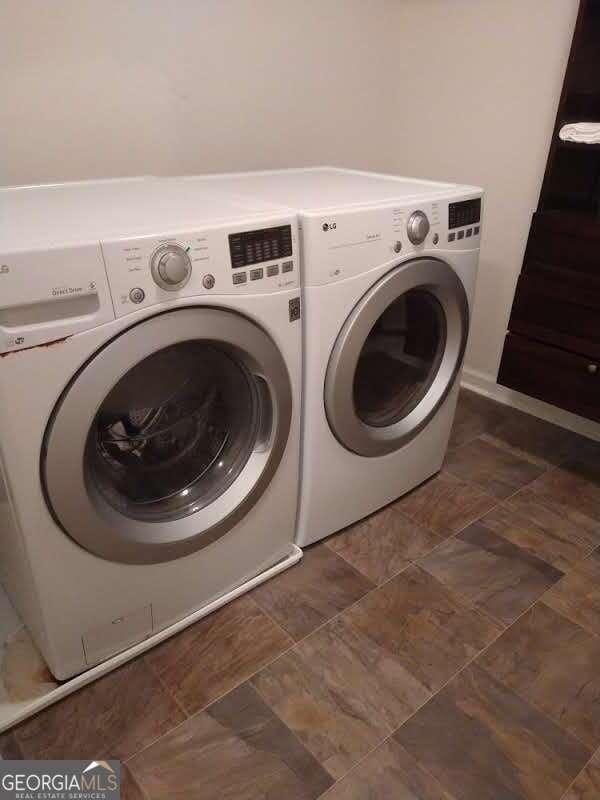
(319, 188)
(74, 213)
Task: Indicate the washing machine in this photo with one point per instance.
(150, 378)
(389, 268)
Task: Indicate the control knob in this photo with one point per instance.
(418, 227)
(171, 267)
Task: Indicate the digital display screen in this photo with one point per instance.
(252, 247)
(466, 212)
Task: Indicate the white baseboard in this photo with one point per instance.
(485, 384)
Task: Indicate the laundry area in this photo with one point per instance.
(299, 400)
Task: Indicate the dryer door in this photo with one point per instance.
(397, 357)
(168, 436)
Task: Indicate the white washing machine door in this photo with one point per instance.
(167, 436)
(397, 357)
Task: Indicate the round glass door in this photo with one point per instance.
(168, 436)
(399, 358)
(396, 357)
(175, 432)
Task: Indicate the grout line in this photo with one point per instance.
(503, 628)
(216, 699)
(272, 619)
(581, 771)
(508, 688)
(565, 617)
(294, 643)
(467, 664)
(166, 689)
(132, 777)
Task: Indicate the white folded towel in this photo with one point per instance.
(581, 132)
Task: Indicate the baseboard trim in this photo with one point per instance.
(485, 384)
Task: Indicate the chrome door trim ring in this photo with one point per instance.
(79, 508)
(439, 279)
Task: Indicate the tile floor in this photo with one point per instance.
(446, 648)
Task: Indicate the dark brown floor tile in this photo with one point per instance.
(554, 664)
(475, 414)
(346, 687)
(483, 742)
(423, 625)
(383, 544)
(491, 572)
(389, 773)
(114, 717)
(573, 492)
(541, 530)
(319, 587)
(498, 472)
(446, 504)
(577, 595)
(339, 696)
(587, 784)
(235, 749)
(217, 653)
(130, 789)
(534, 439)
(9, 746)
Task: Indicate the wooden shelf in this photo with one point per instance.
(581, 106)
(569, 223)
(553, 329)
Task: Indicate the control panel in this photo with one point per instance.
(254, 247)
(147, 270)
(349, 242)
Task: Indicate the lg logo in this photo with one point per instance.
(329, 226)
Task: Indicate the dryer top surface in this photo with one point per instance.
(318, 188)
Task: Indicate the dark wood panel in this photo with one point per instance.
(573, 182)
(558, 313)
(570, 87)
(553, 375)
(567, 245)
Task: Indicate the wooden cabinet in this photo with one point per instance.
(552, 350)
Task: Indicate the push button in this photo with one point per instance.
(469, 232)
(256, 274)
(451, 237)
(460, 235)
(272, 270)
(476, 230)
(287, 266)
(137, 295)
(240, 277)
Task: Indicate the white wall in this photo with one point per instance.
(478, 87)
(463, 90)
(116, 87)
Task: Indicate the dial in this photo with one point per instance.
(418, 227)
(171, 267)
